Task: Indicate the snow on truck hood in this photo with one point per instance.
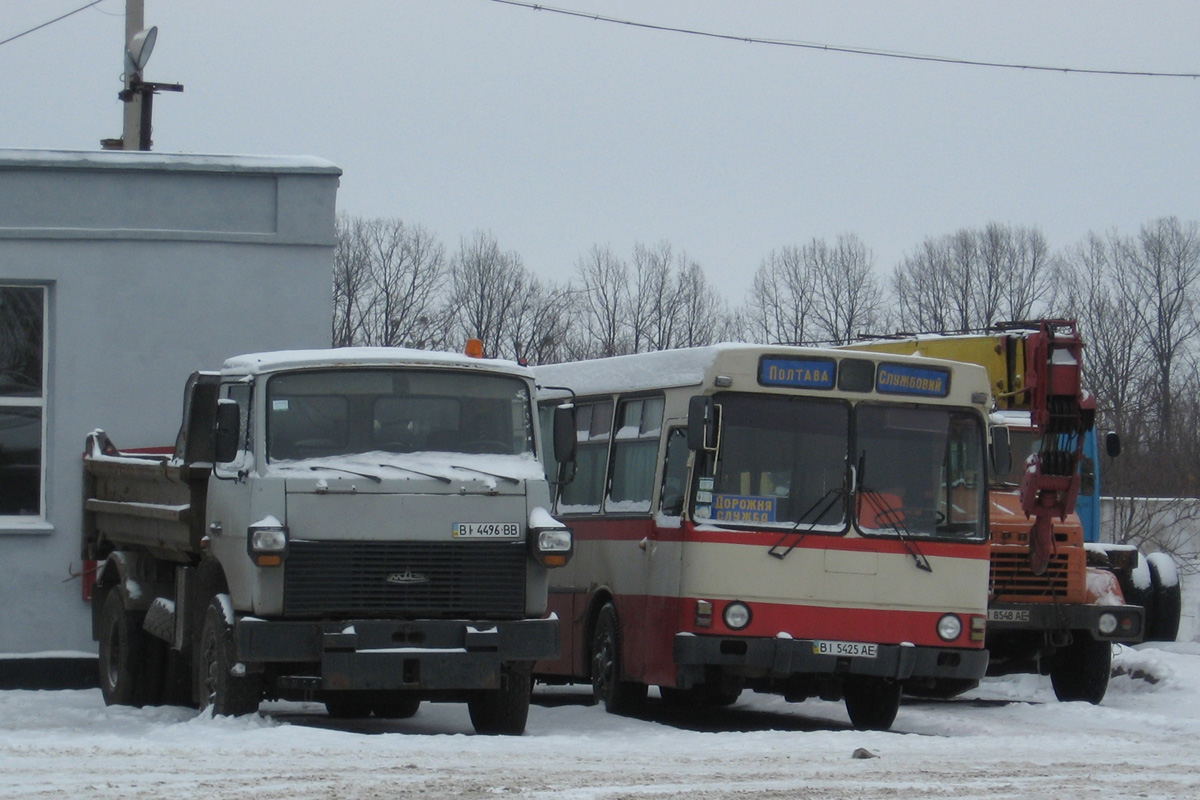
(494, 472)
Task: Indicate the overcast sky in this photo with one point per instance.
(556, 133)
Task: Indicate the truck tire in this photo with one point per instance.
(871, 702)
(1162, 618)
(348, 705)
(220, 689)
(399, 705)
(124, 653)
(618, 696)
(503, 711)
(1080, 671)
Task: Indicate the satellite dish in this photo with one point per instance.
(141, 45)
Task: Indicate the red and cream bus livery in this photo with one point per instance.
(792, 520)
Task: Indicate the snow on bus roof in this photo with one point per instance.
(688, 366)
(254, 363)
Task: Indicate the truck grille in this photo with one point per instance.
(405, 580)
(1012, 580)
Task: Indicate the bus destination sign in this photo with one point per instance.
(797, 373)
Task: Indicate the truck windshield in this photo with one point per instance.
(920, 472)
(782, 461)
(333, 412)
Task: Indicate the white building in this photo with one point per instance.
(120, 274)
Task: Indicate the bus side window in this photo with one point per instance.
(675, 473)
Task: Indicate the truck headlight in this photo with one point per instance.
(267, 545)
(552, 546)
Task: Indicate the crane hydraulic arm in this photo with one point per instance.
(1062, 412)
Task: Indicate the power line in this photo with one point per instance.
(858, 51)
(51, 22)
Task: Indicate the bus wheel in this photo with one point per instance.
(1080, 670)
(227, 693)
(618, 696)
(123, 648)
(872, 703)
(503, 711)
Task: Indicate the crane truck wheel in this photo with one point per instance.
(1080, 671)
(226, 693)
(124, 653)
(1162, 618)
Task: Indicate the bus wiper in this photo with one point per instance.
(889, 516)
(374, 478)
(441, 478)
(832, 496)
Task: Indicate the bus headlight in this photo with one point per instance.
(736, 615)
(267, 545)
(949, 627)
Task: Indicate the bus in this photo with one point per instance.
(800, 521)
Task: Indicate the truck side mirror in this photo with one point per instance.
(228, 430)
(1001, 450)
(1112, 444)
(564, 433)
(702, 424)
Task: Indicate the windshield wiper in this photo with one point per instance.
(890, 516)
(832, 496)
(508, 478)
(441, 478)
(368, 476)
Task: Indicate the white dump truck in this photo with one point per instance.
(365, 527)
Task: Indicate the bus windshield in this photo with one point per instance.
(782, 461)
(323, 413)
(920, 472)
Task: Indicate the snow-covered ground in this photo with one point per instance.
(1009, 739)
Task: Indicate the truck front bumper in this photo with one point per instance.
(781, 658)
(428, 655)
(1129, 621)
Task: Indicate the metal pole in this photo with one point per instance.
(132, 135)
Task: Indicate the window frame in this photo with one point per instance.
(24, 523)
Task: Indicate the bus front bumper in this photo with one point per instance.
(783, 658)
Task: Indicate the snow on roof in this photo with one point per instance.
(184, 162)
(257, 363)
(665, 368)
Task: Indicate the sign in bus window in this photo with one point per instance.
(782, 461)
(797, 373)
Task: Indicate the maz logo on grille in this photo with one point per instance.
(407, 578)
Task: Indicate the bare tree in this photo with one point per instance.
(1158, 279)
(702, 314)
(779, 309)
(602, 303)
(387, 283)
(847, 298)
(488, 287)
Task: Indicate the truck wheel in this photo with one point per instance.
(505, 710)
(1080, 670)
(400, 705)
(226, 693)
(872, 703)
(348, 705)
(618, 696)
(1162, 619)
(123, 653)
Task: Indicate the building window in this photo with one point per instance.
(22, 402)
